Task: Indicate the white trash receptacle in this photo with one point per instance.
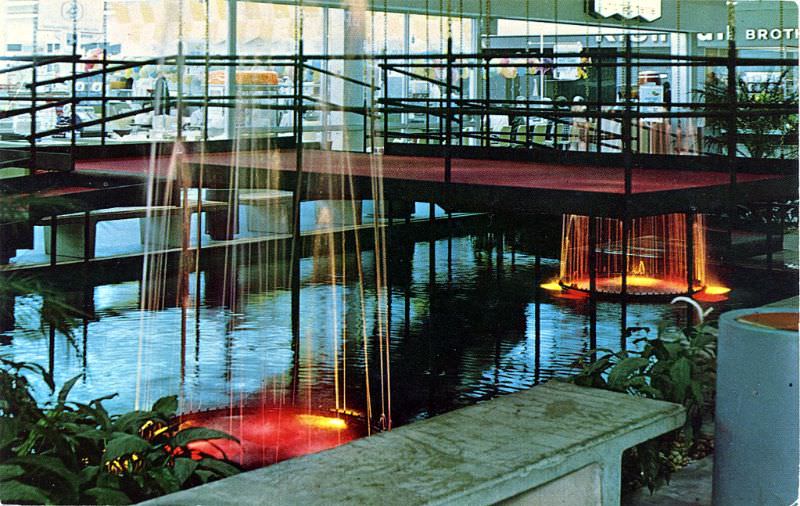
(756, 455)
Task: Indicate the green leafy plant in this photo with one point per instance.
(763, 135)
(676, 366)
(67, 452)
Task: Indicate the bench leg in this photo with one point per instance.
(338, 213)
(71, 240)
(161, 232)
(270, 217)
(610, 482)
(223, 225)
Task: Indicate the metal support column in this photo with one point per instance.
(53, 239)
(487, 97)
(448, 126)
(690, 219)
(627, 154)
(297, 197)
(537, 320)
(449, 247)
(432, 246)
(599, 98)
(592, 284)
(231, 87)
(32, 140)
(103, 94)
(385, 103)
(731, 142)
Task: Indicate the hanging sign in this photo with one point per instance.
(648, 10)
(567, 73)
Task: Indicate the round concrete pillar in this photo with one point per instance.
(756, 432)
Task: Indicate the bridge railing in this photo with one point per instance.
(754, 121)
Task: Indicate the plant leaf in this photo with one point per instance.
(183, 469)
(9, 471)
(697, 392)
(124, 444)
(167, 406)
(89, 474)
(14, 492)
(205, 475)
(131, 422)
(681, 374)
(108, 496)
(165, 479)
(220, 468)
(9, 428)
(622, 371)
(186, 436)
(51, 466)
(64, 392)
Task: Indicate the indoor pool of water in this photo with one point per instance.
(461, 331)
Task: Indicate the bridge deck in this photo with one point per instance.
(476, 185)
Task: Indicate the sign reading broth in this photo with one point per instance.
(648, 10)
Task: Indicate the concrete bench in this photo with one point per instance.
(164, 229)
(553, 444)
(268, 211)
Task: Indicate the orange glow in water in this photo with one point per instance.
(714, 293)
(269, 434)
(656, 262)
(717, 290)
(322, 422)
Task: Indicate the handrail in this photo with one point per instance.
(340, 76)
(27, 110)
(451, 107)
(36, 63)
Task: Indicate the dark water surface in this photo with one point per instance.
(469, 333)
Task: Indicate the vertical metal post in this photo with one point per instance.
(537, 320)
(385, 102)
(599, 132)
(103, 96)
(448, 127)
(592, 284)
(179, 64)
(627, 144)
(731, 140)
(51, 350)
(628, 164)
(364, 126)
(232, 67)
(88, 236)
(499, 249)
(449, 247)
(431, 246)
(296, 239)
(205, 93)
(487, 98)
(74, 119)
(53, 239)
(32, 141)
(690, 220)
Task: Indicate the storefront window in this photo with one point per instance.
(385, 32)
(429, 33)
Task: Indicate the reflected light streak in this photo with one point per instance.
(322, 422)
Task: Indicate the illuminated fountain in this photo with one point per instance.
(661, 258)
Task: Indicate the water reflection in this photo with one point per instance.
(468, 322)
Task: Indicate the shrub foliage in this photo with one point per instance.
(66, 452)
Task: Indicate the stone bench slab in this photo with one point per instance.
(503, 449)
